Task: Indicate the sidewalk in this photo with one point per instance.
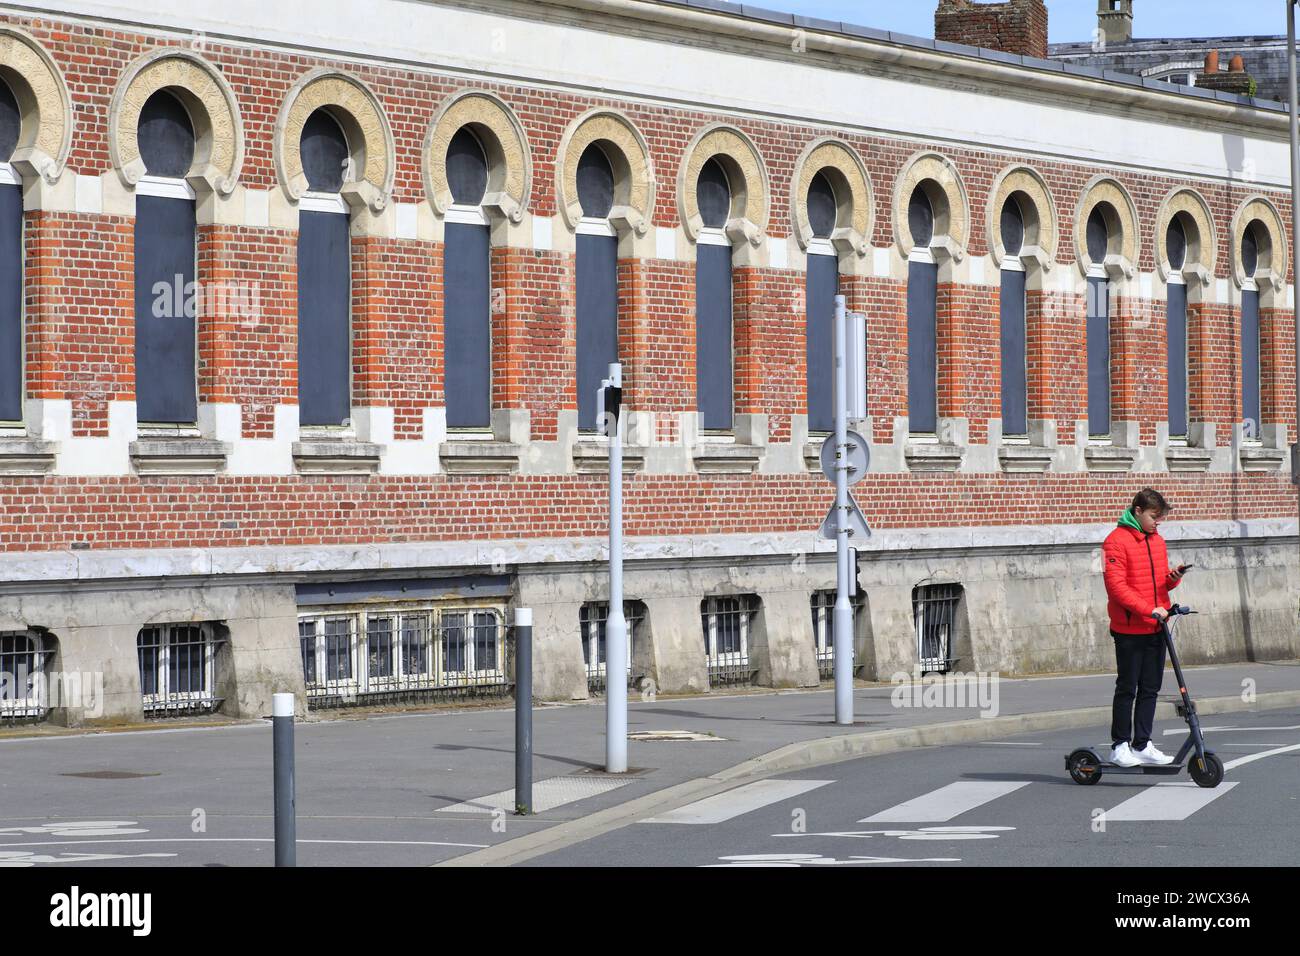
(395, 776)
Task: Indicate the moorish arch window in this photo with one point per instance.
(11, 262)
(822, 287)
(1011, 310)
(1176, 242)
(1097, 331)
(597, 279)
(1254, 242)
(922, 317)
(467, 286)
(713, 304)
(324, 275)
(166, 382)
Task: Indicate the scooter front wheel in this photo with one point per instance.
(1207, 773)
(1083, 768)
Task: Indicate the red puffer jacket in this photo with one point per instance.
(1135, 567)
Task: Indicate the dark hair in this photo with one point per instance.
(1149, 498)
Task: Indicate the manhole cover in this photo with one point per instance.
(671, 735)
(109, 774)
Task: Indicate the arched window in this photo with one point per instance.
(1015, 377)
(1098, 321)
(713, 358)
(11, 263)
(1253, 241)
(166, 376)
(922, 309)
(467, 255)
(1176, 325)
(823, 286)
(324, 276)
(597, 280)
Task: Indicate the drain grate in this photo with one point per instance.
(672, 735)
(110, 774)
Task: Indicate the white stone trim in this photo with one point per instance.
(588, 226)
(164, 188)
(713, 237)
(466, 215)
(66, 565)
(323, 202)
(9, 176)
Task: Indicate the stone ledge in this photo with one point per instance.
(336, 457)
(1188, 458)
(1109, 457)
(812, 454)
(1025, 458)
(26, 456)
(718, 458)
(478, 457)
(179, 456)
(933, 456)
(1262, 459)
(592, 458)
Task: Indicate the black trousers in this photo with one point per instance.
(1140, 660)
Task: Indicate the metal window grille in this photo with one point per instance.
(934, 609)
(177, 669)
(726, 622)
(823, 621)
(390, 655)
(24, 660)
(591, 621)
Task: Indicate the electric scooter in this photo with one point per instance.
(1086, 766)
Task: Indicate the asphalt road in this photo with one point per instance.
(1005, 803)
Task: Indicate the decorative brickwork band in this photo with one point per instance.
(848, 177)
(510, 165)
(358, 112)
(939, 178)
(746, 175)
(42, 94)
(634, 183)
(218, 127)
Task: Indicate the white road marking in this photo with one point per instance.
(1010, 743)
(1208, 730)
(940, 806)
(724, 806)
(547, 795)
(1167, 801)
(1267, 753)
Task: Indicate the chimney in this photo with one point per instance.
(1015, 26)
(1115, 21)
(1234, 79)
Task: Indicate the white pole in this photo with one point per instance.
(615, 625)
(843, 617)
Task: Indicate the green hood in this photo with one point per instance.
(1127, 520)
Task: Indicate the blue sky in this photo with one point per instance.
(1069, 19)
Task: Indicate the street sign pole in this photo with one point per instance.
(843, 615)
(615, 624)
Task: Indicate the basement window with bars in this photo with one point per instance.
(383, 655)
(934, 610)
(823, 621)
(727, 623)
(24, 665)
(592, 618)
(177, 669)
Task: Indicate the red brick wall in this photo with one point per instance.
(79, 342)
(1017, 26)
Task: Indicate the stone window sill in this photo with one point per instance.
(179, 456)
(26, 456)
(476, 456)
(592, 457)
(1024, 458)
(1188, 458)
(933, 456)
(718, 458)
(336, 457)
(1258, 458)
(1109, 457)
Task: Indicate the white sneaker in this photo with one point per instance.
(1150, 755)
(1121, 755)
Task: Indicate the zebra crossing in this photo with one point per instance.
(1161, 802)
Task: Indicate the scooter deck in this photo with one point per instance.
(1168, 769)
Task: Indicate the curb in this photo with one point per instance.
(826, 750)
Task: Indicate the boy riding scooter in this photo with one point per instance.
(1135, 567)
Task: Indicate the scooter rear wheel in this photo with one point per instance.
(1208, 773)
(1083, 768)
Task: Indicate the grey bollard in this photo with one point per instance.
(523, 710)
(286, 824)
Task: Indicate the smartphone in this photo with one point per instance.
(1184, 568)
